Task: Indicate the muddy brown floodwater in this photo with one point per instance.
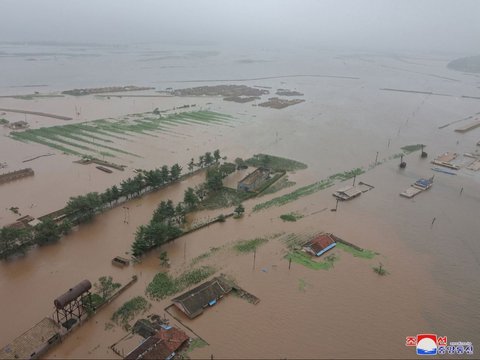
(433, 284)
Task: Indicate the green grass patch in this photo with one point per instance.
(346, 175)
(164, 285)
(246, 246)
(206, 255)
(302, 285)
(78, 136)
(411, 148)
(308, 189)
(127, 312)
(275, 163)
(291, 216)
(365, 254)
(294, 195)
(196, 344)
(283, 183)
(304, 259)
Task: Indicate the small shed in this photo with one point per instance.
(254, 180)
(207, 294)
(347, 193)
(18, 125)
(320, 244)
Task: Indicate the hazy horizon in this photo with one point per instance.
(384, 25)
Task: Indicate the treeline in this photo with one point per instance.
(83, 208)
(17, 241)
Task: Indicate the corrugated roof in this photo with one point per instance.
(251, 178)
(159, 346)
(192, 302)
(320, 242)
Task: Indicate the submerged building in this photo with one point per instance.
(320, 244)
(254, 180)
(207, 294)
(162, 345)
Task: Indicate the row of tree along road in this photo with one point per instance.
(83, 208)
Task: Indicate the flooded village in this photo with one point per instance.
(236, 203)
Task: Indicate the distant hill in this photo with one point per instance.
(467, 64)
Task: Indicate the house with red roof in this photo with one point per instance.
(320, 244)
(162, 345)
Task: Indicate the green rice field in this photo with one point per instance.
(99, 136)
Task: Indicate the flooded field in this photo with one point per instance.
(428, 244)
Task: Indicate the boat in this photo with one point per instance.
(443, 171)
(419, 186)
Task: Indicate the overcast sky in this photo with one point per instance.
(451, 25)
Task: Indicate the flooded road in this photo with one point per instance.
(347, 311)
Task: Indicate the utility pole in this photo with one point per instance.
(126, 214)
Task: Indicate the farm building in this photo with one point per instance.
(162, 345)
(18, 125)
(33, 343)
(194, 301)
(347, 193)
(253, 181)
(320, 244)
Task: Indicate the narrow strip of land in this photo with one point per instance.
(263, 78)
(38, 113)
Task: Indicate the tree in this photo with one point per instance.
(201, 191)
(164, 261)
(214, 179)
(239, 210)
(165, 212)
(190, 198)
(266, 161)
(216, 155)
(153, 178)
(14, 241)
(226, 169)
(127, 187)
(175, 171)
(191, 165)
(140, 245)
(201, 161)
(173, 232)
(46, 232)
(164, 174)
(115, 193)
(83, 208)
(106, 287)
(180, 213)
(107, 197)
(208, 158)
(65, 227)
(138, 184)
(240, 163)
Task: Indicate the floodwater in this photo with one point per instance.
(348, 311)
